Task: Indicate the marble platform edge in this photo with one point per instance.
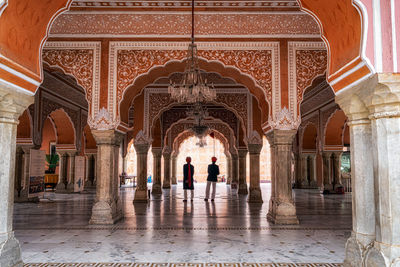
(187, 228)
(183, 265)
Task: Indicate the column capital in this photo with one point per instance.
(254, 148)
(234, 156)
(326, 154)
(281, 137)
(242, 152)
(157, 152)
(26, 148)
(107, 137)
(141, 148)
(12, 104)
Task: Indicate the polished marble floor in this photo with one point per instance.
(167, 230)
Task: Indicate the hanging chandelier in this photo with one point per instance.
(192, 88)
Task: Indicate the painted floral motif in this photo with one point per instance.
(75, 62)
(309, 64)
(133, 63)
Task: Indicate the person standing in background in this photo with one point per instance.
(188, 183)
(213, 172)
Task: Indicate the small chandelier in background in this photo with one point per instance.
(192, 88)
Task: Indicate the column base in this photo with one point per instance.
(10, 251)
(173, 180)
(243, 189)
(282, 213)
(383, 255)
(228, 181)
(61, 189)
(70, 188)
(166, 186)
(140, 196)
(156, 189)
(356, 249)
(255, 196)
(104, 212)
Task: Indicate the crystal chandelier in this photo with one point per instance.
(192, 88)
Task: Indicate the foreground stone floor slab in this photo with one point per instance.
(167, 230)
(183, 265)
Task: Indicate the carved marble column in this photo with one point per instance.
(12, 104)
(71, 171)
(142, 149)
(304, 171)
(167, 168)
(337, 162)
(255, 195)
(384, 113)
(63, 172)
(326, 165)
(95, 169)
(235, 169)
(107, 208)
(313, 171)
(362, 177)
(157, 153)
(242, 172)
(173, 170)
(282, 208)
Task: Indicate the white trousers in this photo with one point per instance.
(214, 184)
(185, 193)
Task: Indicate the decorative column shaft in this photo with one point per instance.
(255, 195)
(142, 149)
(304, 171)
(337, 162)
(229, 169)
(242, 172)
(384, 113)
(157, 153)
(235, 169)
(71, 171)
(24, 183)
(313, 171)
(107, 208)
(19, 172)
(362, 179)
(63, 173)
(173, 170)
(12, 104)
(282, 208)
(326, 159)
(167, 169)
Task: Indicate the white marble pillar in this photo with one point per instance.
(107, 208)
(337, 162)
(242, 172)
(255, 195)
(384, 113)
(173, 170)
(157, 153)
(362, 179)
(313, 171)
(282, 209)
(142, 149)
(326, 166)
(63, 172)
(167, 169)
(12, 104)
(71, 171)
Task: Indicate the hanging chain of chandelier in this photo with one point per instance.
(193, 89)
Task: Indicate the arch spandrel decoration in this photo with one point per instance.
(80, 60)
(177, 142)
(261, 64)
(184, 125)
